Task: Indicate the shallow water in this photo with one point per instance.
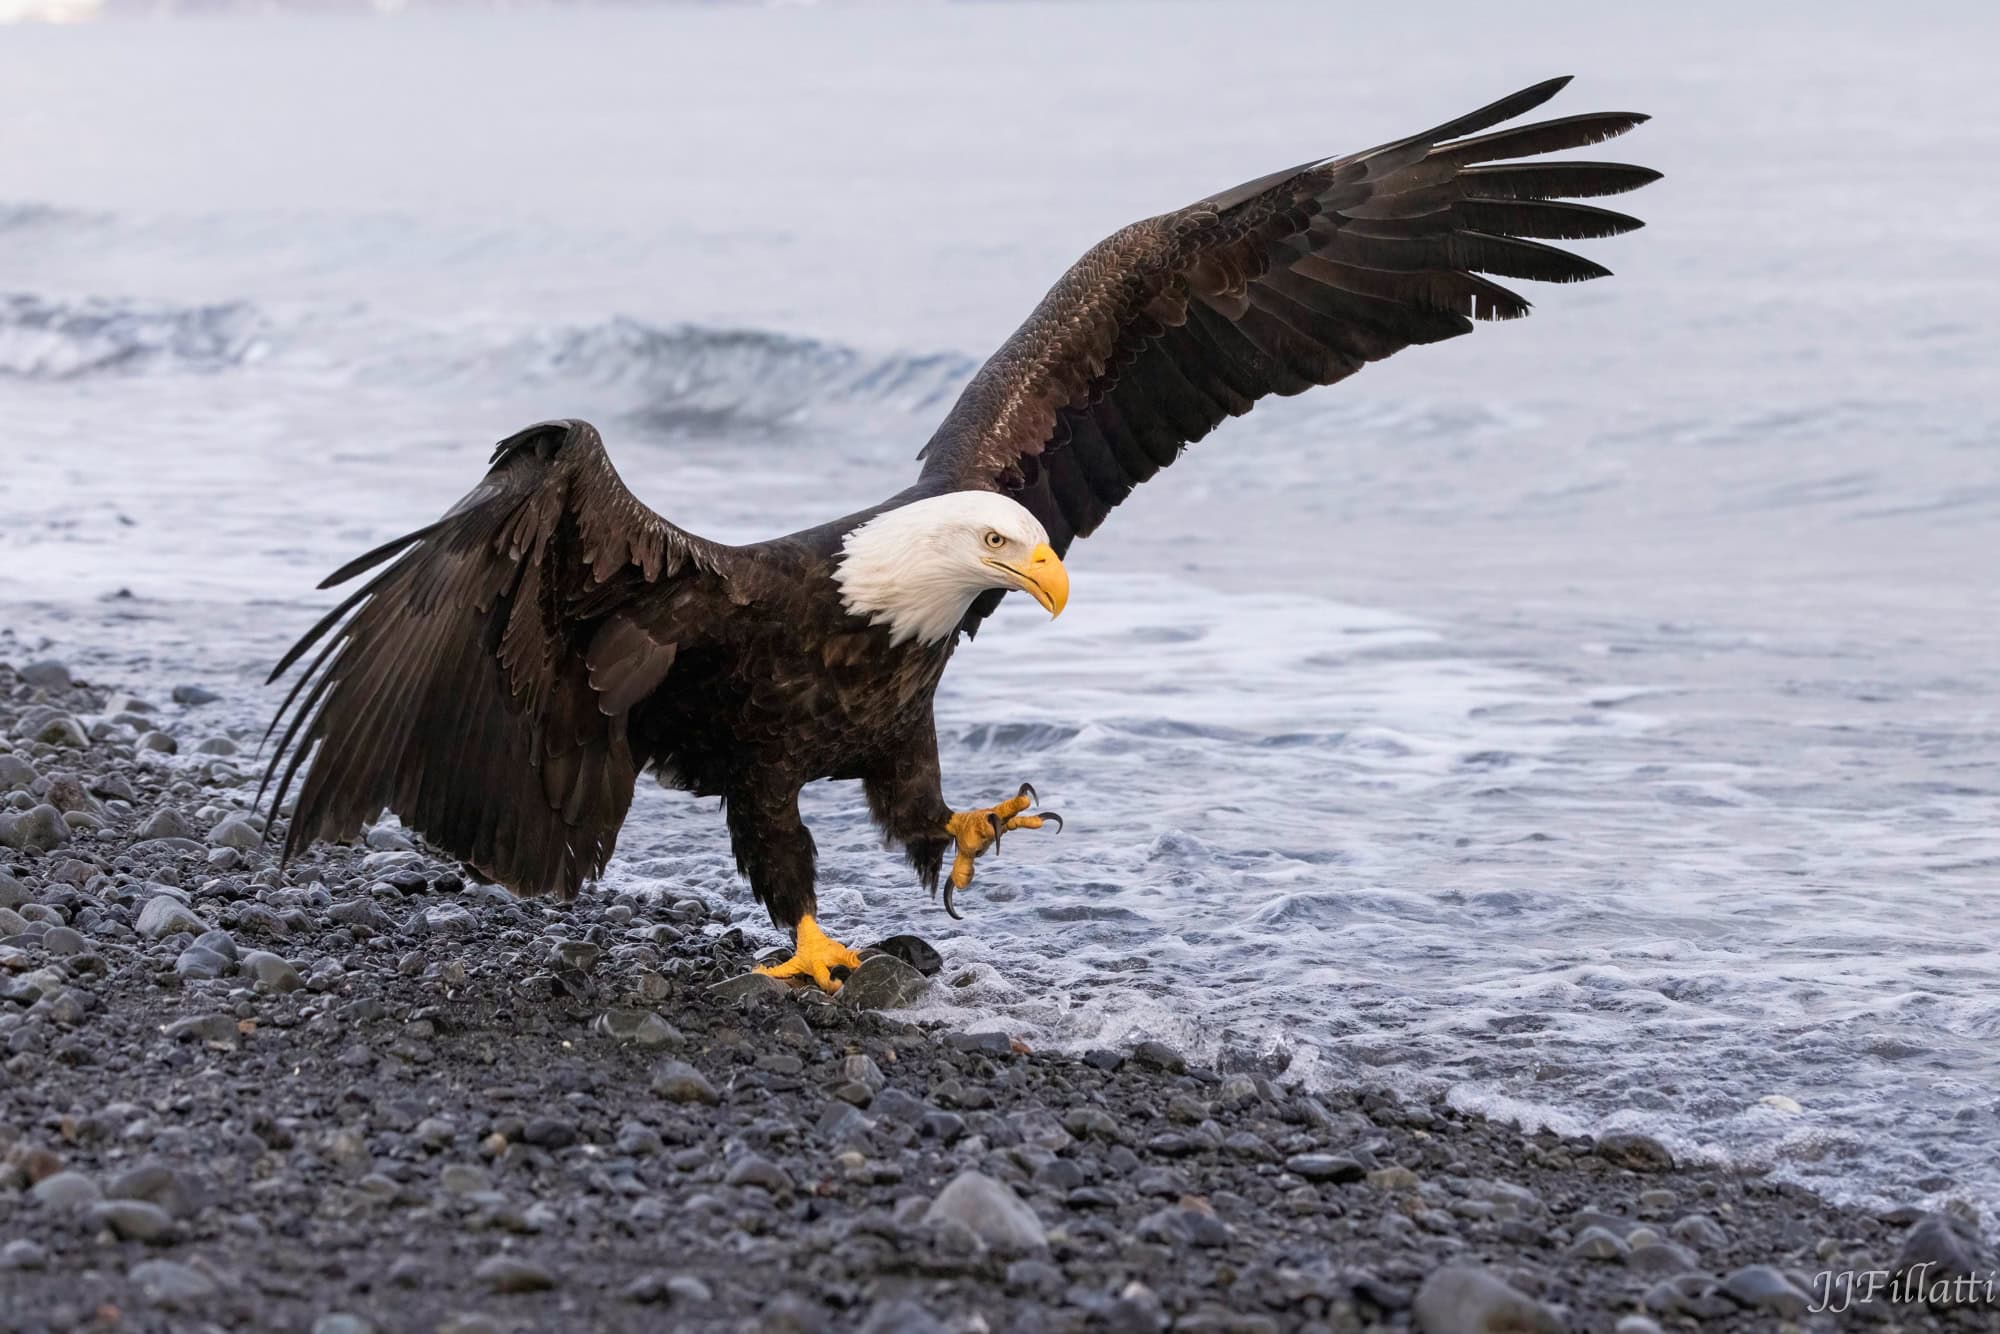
(1594, 716)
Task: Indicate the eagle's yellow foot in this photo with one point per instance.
(815, 955)
(976, 831)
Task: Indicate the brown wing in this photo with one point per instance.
(479, 686)
(1292, 280)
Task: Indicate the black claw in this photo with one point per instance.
(1028, 791)
(993, 823)
(1051, 815)
(949, 889)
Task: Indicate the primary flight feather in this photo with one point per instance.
(507, 673)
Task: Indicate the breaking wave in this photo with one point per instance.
(681, 379)
(43, 339)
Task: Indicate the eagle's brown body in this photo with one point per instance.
(502, 683)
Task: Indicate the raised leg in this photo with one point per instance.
(977, 831)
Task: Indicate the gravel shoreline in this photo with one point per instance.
(361, 1093)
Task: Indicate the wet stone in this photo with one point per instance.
(22, 1253)
(202, 1028)
(1159, 1056)
(66, 1191)
(235, 831)
(37, 829)
(641, 1028)
(271, 972)
(882, 982)
(912, 950)
(1636, 1153)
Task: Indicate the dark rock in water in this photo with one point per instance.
(511, 1273)
(988, 1043)
(47, 673)
(882, 982)
(1334, 1167)
(1460, 1299)
(750, 988)
(194, 695)
(991, 1211)
(1947, 1245)
(1159, 1056)
(1637, 1153)
(912, 950)
(1763, 1288)
(38, 829)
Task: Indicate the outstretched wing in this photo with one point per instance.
(480, 684)
(1292, 280)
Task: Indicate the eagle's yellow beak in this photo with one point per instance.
(1043, 578)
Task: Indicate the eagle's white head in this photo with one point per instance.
(916, 568)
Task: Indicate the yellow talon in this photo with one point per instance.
(976, 831)
(815, 955)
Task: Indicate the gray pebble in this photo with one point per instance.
(343, 1322)
(1332, 1167)
(511, 1273)
(1460, 1299)
(271, 972)
(15, 773)
(165, 916)
(21, 1253)
(991, 1211)
(67, 1191)
(202, 1028)
(752, 1170)
(65, 941)
(202, 964)
(134, 1220)
(678, 1081)
(173, 1285)
(235, 831)
(157, 742)
(1764, 1288)
(1596, 1243)
(194, 695)
(1699, 1230)
(164, 823)
(37, 829)
(641, 1028)
(1662, 1258)
(216, 745)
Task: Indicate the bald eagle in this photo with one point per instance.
(513, 667)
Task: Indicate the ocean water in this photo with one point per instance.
(1593, 718)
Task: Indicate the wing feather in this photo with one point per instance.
(1294, 279)
(458, 685)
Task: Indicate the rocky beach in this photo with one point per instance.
(363, 1092)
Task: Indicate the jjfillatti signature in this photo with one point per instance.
(1838, 1290)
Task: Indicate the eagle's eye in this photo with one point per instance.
(994, 540)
